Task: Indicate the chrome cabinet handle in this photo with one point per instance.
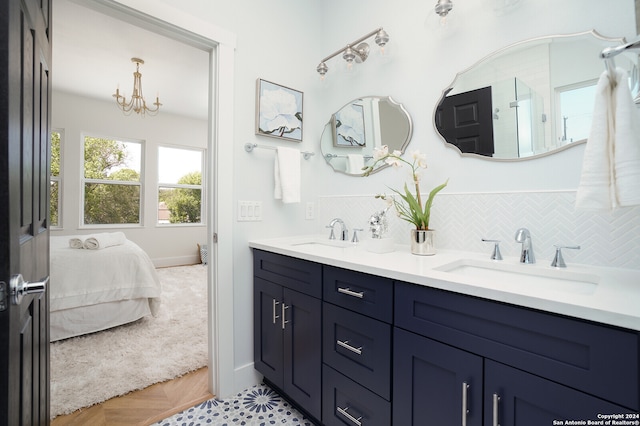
(284, 321)
(18, 288)
(349, 292)
(275, 316)
(346, 345)
(465, 409)
(349, 417)
(496, 401)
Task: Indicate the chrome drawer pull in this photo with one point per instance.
(284, 320)
(355, 421)
(346, 345)
(496, 401)
(465, 410)
(349, 292)
(275, 316)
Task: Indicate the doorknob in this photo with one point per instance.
(19, 288)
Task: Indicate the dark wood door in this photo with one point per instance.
(25, 76)
(466, 121)
(432, 382)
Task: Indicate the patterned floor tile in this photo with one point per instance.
(256, 406)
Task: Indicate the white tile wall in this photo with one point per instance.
(462, 220)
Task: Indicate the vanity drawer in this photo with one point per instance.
(596, 359)
(344, 402)
(359, 347)
(360, 292)
(297, 274)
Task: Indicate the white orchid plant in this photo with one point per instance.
(410, 207)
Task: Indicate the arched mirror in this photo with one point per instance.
(361, 125)
(529, 99)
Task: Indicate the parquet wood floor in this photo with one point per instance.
(146, 406)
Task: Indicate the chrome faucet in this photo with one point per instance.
(344, 232)
(526, 255)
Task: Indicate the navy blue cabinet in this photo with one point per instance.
(513, 397)
(288, 328)
(434, 383)
(536, 367)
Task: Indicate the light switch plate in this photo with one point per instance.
(249, 211)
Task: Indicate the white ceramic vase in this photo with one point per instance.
(423, 242)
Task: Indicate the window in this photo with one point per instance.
(180, 185)
(576, 111)
(54, 180)
(112, 185)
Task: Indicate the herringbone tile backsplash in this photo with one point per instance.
(462, 220)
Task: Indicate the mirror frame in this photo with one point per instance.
(328, 127)
(497, 53)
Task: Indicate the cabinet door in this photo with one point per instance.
(435, 384)
(268, 334)
(528, 400)
(303, 350)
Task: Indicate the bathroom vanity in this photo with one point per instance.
(359, 338)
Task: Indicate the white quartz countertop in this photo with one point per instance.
(613, 298)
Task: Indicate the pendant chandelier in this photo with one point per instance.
(137, 102)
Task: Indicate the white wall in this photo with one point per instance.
(283, 41)
(77, 116)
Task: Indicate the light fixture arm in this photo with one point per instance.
(352, 44)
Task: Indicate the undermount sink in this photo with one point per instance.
(325, 243)
(534, 276)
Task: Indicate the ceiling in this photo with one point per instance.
(92, 56)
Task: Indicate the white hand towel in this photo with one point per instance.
(355, 163)
(104, 240)
(611, 166)
(287, 175)
(76, 243)
(596, 188)
(626, 144)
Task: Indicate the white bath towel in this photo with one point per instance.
(287, 175)
(76, 242)
(104, 240)
(355, 163)
(626, 144)
(611, 166)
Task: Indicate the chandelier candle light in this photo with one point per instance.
(410, 207)
(137, 103)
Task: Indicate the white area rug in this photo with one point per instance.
(90, 369)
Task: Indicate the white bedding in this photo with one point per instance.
(81, 278)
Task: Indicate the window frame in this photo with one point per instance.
(201, 187)
(58, 179)
(84, 181)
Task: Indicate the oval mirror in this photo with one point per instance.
(529, 99)
(358, 127)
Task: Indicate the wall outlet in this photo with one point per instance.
(249, 211)
(310, 211)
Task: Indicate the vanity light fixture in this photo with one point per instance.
(137, 102)
(357, 51)
(442, 8)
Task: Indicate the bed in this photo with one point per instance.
(96, 289)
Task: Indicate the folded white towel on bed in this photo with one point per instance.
(76, 243)
(104, 240)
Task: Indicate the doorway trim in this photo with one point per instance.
(220, 44)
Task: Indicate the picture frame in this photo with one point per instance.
(279, 111)
(348, 127)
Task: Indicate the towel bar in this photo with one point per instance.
(250, 147)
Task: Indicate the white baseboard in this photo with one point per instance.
(165, 262)
(246, 377)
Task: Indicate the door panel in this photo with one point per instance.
(25, 53)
